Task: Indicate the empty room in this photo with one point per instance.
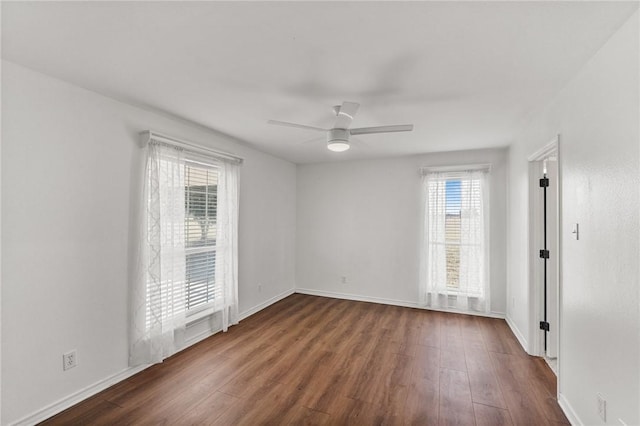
(324, 212)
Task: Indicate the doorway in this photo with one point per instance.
(544, 258)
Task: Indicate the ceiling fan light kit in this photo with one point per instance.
(338, 136)
(338, 140)
(338, 146)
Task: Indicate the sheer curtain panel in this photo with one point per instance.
(158, 314)
(227, 247)
(455, 241)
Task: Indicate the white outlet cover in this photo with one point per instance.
(69, 360)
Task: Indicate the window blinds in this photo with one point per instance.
(201, 205)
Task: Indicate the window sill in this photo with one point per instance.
(201, 313)
(456, 293)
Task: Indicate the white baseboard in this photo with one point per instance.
(393, 302)
(569, 411)
(355, 297)
(78, 396)
(518, 334)
(71, 400)
(266, 303)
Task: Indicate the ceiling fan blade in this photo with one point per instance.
(346, 113)
(316, 140)
(382, 129)
(298, 126)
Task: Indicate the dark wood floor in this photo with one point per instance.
(314, 360)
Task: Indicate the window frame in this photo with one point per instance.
(459, 173)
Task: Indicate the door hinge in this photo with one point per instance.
(544, 182)
(544, 254)
(544, 325)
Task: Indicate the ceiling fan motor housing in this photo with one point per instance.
(338, 135)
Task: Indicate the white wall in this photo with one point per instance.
(68, 168)
(0, 238)
(361, 220)
(597, 117)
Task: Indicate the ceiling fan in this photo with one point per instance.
(338, 136)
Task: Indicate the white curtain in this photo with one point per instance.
(159, 274)
(158, 288)
(433, 254)
(455, 244)
(227, 244)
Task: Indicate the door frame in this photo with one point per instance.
(536, 290)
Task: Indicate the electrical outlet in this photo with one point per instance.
(602, 407)
(69, 360)
(343, 280)
(260, 287)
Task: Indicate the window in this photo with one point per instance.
(187, 262)
(454, 257)
(201, 192)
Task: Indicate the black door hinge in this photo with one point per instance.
(544, 182)
(544, 254)
(544, 325)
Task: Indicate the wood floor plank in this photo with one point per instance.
(456, 407)
(422, 404)
(92, 409)
(453, 359)
(269, 408)
(514, 381)
(316, 360)
(241, 383)
(333, 386)
(470, 331)
(204, 411)
(451, 341)
(491, 416)
(301, 415)
(524, 409)
(431, 329)
(349, 411)
(485, 388)
(426, 363)
(491, 336)
(383, 381)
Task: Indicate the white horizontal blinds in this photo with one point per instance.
(201, 196)
(188, 198)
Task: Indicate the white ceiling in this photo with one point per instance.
(466, 74)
